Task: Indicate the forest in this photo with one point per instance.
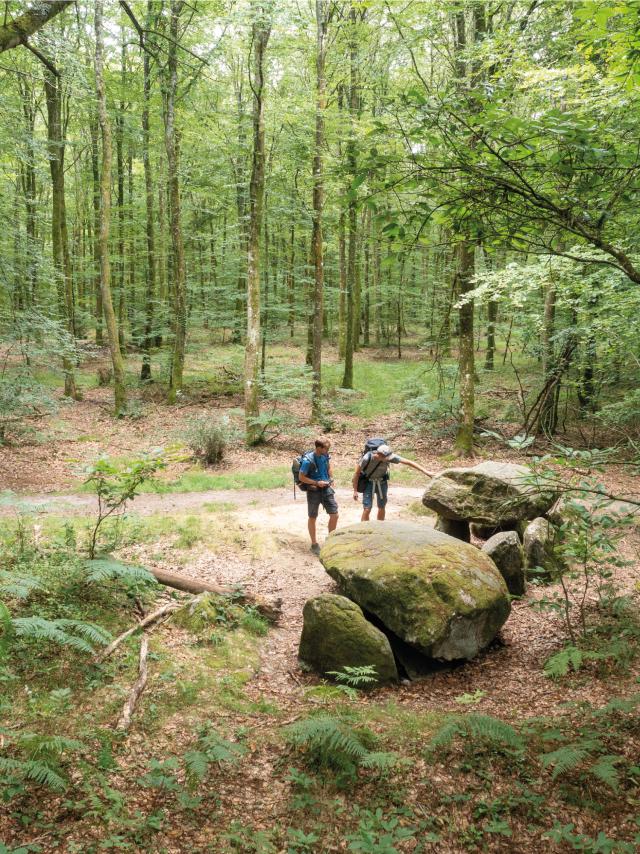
(240, 238)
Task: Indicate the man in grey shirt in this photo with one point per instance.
(374, 466)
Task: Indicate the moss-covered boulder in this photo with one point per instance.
(491, 494)
(336, 634)
(442, 596)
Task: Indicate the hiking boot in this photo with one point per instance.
(315, 548)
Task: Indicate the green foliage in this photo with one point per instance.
(332, 746)
(349, 679)
(37, 758)
(480, 732)
(115, 484)
(380, 834)
(79, 635)
(211, 749)
(601, 844)
(208, 438)
(108, 569)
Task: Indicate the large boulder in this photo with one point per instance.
(539, 541)
(336, 634)
(442, 596)
(505, 551)
(491, 494)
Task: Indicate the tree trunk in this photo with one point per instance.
(492, 316)
(150, 294)
(55, 150)
(318, 202)
(119, 385)
(95, 172)
(175, 213)
(260, 35)
(352, 166)
(466, 365)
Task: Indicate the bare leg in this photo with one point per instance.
(312, 530)
(380, 514)
(333, 521)
(365, 515)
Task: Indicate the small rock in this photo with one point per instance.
(540, 538)
(505, 551)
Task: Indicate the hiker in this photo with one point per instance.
(372, 475)
(317, 476)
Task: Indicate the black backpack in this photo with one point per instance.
(295, 471)
(371, 445)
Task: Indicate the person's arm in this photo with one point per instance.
(354, 482)
(415, 466)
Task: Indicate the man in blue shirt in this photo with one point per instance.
(316, 473)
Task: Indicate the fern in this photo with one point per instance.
(356, 677)
(109, 569)
(479, 728)
(559, 664)
(61, 632)
(43, 755)
(331, 744)
(39, 772)
(604, 769)
(566, 758)
(211, 748)
(17, 586)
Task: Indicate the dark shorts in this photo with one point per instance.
(380, 488)
(326, 497)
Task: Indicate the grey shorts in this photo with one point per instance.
(326, 497)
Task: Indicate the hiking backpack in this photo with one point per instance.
(295, 471)
(371, 445)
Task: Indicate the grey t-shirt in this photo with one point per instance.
(375, 469)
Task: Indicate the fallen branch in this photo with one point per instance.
(137, 689)
(269, 610)
(149, 620)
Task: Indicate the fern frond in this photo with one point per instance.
(560, 663)
(36, 770)
(380, 760)
(90, 631)
(494, 730)
(18, 586)
(56, 631)
(36, 745)
(109, 569)
(565, 759)
(196, 764)
(445, 735)
(604, 769)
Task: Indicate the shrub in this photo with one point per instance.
(208, 438)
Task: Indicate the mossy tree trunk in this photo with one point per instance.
(119, 385)
(261, 31)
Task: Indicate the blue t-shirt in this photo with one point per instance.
(321, 469)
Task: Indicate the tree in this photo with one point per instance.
(318, 202)
(260, 32)
(119, 384)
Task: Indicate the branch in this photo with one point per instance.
(17, 32)
(43, 59)
(137, 689)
